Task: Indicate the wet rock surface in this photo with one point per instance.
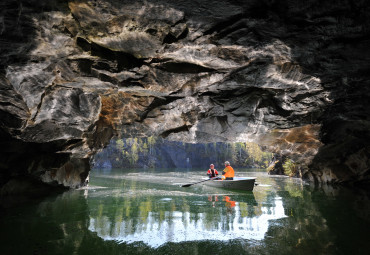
(292, 77)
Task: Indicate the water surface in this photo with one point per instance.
(147, 212)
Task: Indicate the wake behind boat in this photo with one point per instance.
(238, 183)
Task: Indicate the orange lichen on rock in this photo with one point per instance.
(110, 110)
(122, 108)
(299, 141)
(300, 135)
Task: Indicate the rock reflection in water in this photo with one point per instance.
(155, 221)
(123, 215)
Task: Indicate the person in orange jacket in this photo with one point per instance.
(228, 173)
(212, 172)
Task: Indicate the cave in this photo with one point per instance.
(76, 76)
(292, 77)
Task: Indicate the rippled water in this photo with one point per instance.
(147, 212)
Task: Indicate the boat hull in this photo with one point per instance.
(239, 183)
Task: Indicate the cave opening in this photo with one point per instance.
(291, 77)
(157, 153)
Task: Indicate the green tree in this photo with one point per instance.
(233, 152)
(120, 144)
(145, 148)
(151, 142)
(254, 151)
(290, 168)
(133, 158)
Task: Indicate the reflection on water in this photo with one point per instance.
(140, 212)
(155, 220)
(151, 214)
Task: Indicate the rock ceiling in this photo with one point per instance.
(292, 77)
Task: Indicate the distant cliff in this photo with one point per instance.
(161, 153)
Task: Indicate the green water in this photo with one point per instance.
(147, 212)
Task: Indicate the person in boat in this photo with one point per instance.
(228, 173)
(212, 172)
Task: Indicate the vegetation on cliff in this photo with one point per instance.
(150, 152)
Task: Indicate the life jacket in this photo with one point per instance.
(212, 172)
(229, 172)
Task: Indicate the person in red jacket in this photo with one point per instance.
(212, 172)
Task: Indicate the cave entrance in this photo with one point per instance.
(157, 153)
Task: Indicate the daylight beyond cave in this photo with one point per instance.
(156, 152)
